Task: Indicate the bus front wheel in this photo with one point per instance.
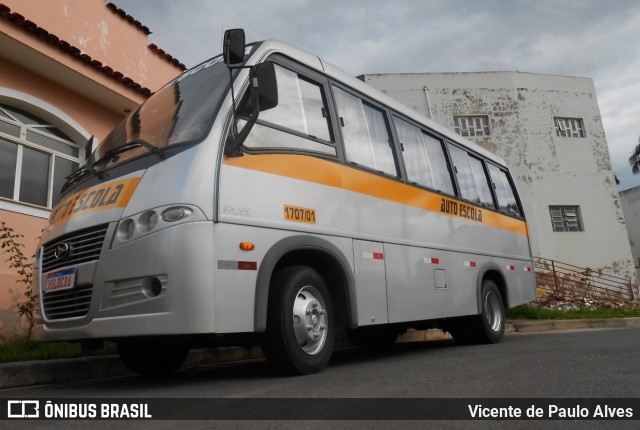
(300, 321)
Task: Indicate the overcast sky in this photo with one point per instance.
(590, 38)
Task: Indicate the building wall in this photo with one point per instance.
(80, 65)
(630, 201)
(548, 170)
(94, 118)
(101, 33)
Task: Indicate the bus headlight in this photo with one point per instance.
(147, 221)
(126, 229)
(150, 221)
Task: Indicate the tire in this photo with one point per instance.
(493, 320)
(152, 357)
(300, 322)
(488, 327)
(461, 332)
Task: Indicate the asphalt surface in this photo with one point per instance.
(43, 372)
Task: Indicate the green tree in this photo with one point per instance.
(634, 160)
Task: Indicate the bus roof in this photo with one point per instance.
(269, 47)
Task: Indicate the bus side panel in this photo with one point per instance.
(236, 273)
(412, 289)
(371, 285)
(521, 284)
(260, 190)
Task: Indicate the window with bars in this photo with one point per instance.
(472, 126)
(566, 218)
(35, 158)
(569, 127)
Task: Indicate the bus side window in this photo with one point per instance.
(471, 178)
(482, 183)
(365, 132)
(424, 158)
(300, 121)
(504, 192)
(301, 105)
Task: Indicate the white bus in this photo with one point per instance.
(318, 205)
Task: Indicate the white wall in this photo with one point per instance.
(630, 200)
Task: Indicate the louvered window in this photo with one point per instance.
(566, 218)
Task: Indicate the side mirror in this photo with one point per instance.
(263, 95)
(267, 86)
(233, 46)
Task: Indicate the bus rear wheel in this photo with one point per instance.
(493, 319)
(152, 357)
(300, 322)
(488, 327)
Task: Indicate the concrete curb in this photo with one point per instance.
(43, 372)
(524, 326)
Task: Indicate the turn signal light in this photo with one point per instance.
(247, 246)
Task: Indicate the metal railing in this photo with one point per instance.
(563, 278)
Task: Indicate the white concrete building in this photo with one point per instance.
(630, 200)
(549, 130)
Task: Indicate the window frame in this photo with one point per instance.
(314, 78)
(563, 215)
(512, 184)
(443, 147)
(458, 129)
(483, 161)
(387, 115)
(567, 129)
(21, 142)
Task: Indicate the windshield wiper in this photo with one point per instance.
(74, 177)
(159, 152)
(79, 174)
(110, 155)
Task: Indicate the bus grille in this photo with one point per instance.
(85, 245)
(67, 304)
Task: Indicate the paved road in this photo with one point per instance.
(578, 364)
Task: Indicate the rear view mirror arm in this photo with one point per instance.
(261, 98)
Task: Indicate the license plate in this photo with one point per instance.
(60, 280)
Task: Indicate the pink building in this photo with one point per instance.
(69, 70)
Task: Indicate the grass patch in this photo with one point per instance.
(23, 350)
(531, 312)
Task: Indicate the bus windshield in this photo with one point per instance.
(180, 113)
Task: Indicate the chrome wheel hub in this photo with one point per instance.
(309, 320)
(494, 315)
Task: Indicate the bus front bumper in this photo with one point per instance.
(159, 284)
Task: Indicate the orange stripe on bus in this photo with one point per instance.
(97, 198)
(319, 171)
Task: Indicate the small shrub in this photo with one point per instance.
(10, 243)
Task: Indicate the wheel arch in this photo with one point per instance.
(322, 256)
(493, 272)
